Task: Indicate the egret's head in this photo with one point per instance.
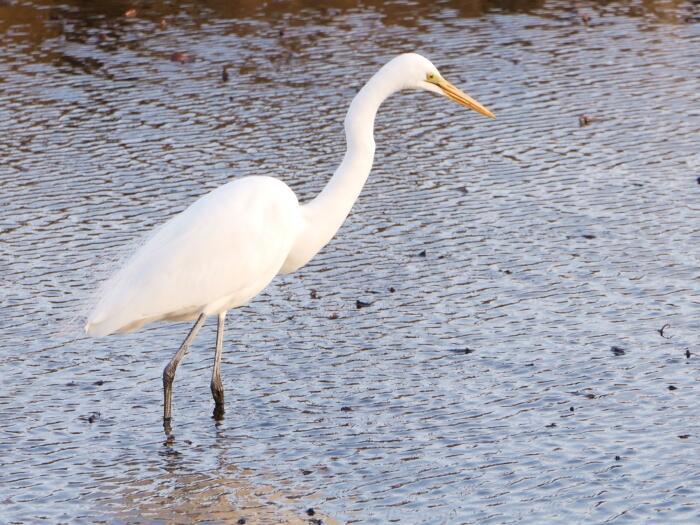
(420, 73)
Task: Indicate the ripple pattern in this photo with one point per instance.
(530, 353)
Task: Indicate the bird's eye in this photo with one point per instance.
(431, 76)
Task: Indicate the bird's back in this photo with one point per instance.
(217, 254)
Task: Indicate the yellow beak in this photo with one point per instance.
(460, 97)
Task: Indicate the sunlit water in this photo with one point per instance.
(510, 367)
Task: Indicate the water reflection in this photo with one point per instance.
(180, 491)
(78, 20)
(115, 26)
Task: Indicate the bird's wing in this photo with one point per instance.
(218, 253)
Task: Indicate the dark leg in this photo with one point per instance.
(171, 367)
(217, 387)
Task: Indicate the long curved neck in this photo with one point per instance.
(325, 214)
(333, 204)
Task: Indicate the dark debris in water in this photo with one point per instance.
(310, 512)
(585, 120)
(587, 395)
(465, 350)
(362, 304)
(224, 74)
(345, 409)
(684, 436)
(241, 521)
(422, 254)
(313, 294)
(618, 351)
(181, 57)
(333, 316)
(671, 387)
(91, 418)
(661, 331)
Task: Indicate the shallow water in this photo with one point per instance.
(484, 388)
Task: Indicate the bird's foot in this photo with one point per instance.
(217, 391)
(218, 414)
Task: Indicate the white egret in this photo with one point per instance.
(229, 244)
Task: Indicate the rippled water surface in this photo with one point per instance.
(511, 367)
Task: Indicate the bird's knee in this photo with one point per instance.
(168, 375)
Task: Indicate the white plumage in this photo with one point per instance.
(217, 254)
(228, 245)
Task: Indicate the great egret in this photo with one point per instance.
(229, 244)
